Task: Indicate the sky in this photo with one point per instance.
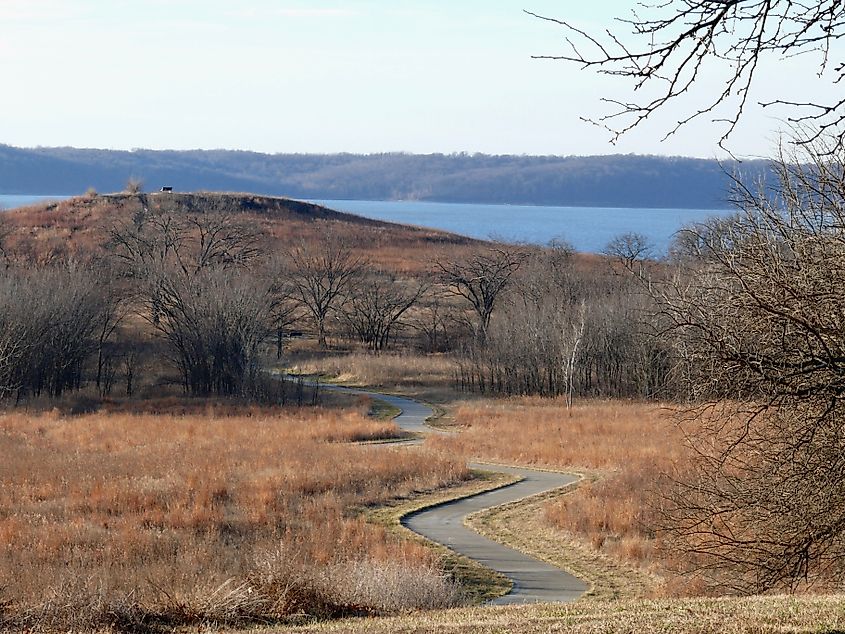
(316, 76)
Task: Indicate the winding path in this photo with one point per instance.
(533, 580)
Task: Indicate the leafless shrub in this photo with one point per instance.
(376, 304)
(757, 320)
(320, 278)
(134, 186)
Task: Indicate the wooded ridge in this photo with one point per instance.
(613, 181)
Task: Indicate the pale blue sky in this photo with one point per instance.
(319, 76)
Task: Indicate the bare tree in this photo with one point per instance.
(480, 279)
(759, 319)
(436, 321)
(670, 45)
(48, 329)
(155, 239)
(630, 248)
(114, 308)
(286, 310)
(320, 276)
(378, 303)
(214, 324)
(189, 267)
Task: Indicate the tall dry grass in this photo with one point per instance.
(390, 371)
(203, 517)
(624, 448)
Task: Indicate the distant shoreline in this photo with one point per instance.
(618, 181)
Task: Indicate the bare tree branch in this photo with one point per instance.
(670, 45)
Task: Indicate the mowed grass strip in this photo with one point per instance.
(756, 615)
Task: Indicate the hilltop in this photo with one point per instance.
(79, 226)
(612, 181)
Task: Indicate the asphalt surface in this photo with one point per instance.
(533, 580)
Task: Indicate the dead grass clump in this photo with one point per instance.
(390, 586)
(288, 584)
(116, 518)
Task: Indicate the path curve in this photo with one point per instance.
(533, 580)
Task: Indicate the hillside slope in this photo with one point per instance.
(80, 226)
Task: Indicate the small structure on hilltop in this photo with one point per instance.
(167, 188)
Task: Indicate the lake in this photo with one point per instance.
(586, 228)
(13, 200)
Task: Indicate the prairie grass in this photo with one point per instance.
(623, 449)
(78, 227)
(395, 372)
(110, 518)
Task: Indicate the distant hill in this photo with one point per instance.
(591, 181)
(79, 228)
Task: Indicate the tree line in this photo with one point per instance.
(613, 181)
(204, 292)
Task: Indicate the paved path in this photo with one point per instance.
(533, 580)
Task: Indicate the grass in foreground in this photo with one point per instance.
(757, 615)
(118, 520)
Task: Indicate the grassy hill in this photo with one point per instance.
(79, 226)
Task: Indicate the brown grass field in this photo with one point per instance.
(233, 516)
(116, 518)
(203, 515)
(623, 448)
(427, 377)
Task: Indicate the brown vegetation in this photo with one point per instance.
(623, 449)
(744, 310)
(758, 615)
(79, 226)
(206, 518)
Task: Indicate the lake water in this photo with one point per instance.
(12, 201)
(586, 228)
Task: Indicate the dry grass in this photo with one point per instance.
(758, 615)
(426, 376)
(78, 227)
(478, 582)
(623, 448)
(114, 518)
